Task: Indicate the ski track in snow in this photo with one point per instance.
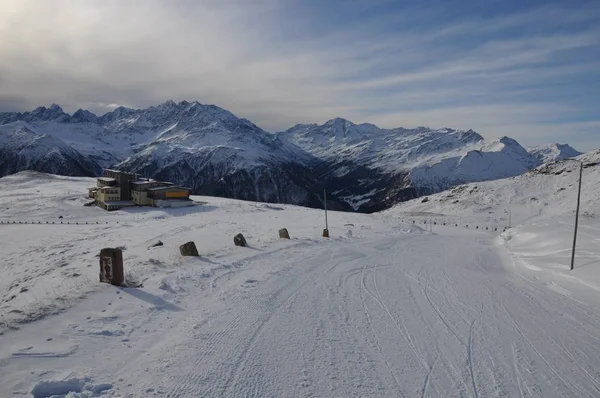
(258, 366)
(392, 311)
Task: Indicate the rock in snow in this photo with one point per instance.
(213, 152)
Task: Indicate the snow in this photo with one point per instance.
(539, 204)
(419, 160)
(383, 308)
(70, 388)
(438, 155)
(552, 152)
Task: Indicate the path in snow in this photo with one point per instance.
(416, 315)
(401, 315)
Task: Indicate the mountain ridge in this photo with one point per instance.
(364, 167)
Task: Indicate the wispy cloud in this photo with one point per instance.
(504, 69)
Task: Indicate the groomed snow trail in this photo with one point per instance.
(396, 312)
(404, 315)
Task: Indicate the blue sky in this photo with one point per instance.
(526, 69)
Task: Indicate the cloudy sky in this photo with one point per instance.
(526, 69)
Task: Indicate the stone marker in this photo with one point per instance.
(284, 234)
(111, 266)
(239, 240)
(326, 233)
(189, 249)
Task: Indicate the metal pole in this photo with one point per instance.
(577, 217)
(509, 218)
(325, 199)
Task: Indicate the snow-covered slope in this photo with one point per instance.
(381, 309)
(539, 206)
(398, 164)
(547, 191)
(550, 152)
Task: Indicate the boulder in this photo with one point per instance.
(189, 249)
(284, 234)
(159, 243)
(239, 240)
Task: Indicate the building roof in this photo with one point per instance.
(119, 171)
(106, 188)
(143, 182)
(167, 188)
(106, 179)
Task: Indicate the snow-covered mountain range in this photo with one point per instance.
(210, 150)
(373, 168)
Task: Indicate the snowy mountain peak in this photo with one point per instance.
(168, 104)
(552, 152)
(84, 116)
(468, 137)
(338, 121)
(43, 114)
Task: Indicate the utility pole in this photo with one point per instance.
(509, 218)
(577, 216)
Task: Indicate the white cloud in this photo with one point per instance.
(263, 62)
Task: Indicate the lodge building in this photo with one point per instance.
(118, 189)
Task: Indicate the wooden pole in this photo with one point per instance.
(577, 217)
(325, 200)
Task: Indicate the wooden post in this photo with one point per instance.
(325, 202)
(326, 230)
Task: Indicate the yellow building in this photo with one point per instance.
(116, 189)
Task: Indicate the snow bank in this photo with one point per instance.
(69, 388)
(546, 245)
